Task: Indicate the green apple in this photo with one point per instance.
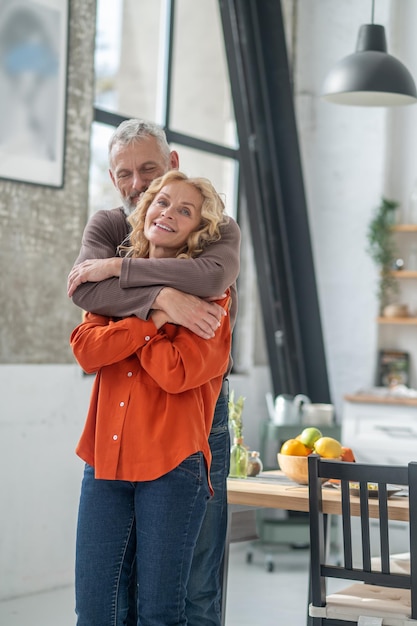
(309, 436)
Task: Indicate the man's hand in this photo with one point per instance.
(93, 271)
(200, 316)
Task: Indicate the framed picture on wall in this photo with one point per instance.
(393, 368)
(33, 80)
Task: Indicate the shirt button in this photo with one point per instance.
(115, 437)
(130, 374)
(122, 404)
(147, 338)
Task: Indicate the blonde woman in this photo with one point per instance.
(145, 441)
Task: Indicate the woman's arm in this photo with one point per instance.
(179, 360)
(99, 341)
(176, 359)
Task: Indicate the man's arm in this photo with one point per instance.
(207, 276)
(104, 232)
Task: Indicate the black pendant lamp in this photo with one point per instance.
(370, 76)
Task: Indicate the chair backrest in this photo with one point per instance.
(322, 470)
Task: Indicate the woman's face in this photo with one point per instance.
(174, 213)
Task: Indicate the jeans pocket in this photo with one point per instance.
(194, 465)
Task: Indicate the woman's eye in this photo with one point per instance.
(185, 211)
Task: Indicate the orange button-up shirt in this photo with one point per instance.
(154, 395)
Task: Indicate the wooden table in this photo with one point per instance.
(274, 490)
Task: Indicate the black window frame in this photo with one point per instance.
(271, 183)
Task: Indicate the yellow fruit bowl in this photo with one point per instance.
(294, 467)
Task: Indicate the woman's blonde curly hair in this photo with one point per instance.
(212, 217)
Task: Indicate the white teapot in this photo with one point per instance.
(288, 409)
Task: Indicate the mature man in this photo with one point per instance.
(102, 282)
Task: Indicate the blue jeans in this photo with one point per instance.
(153, 524)
(205, 584)
(204, 592)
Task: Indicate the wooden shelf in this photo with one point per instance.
(406, 324)
(408, 321)
(386, 399)
(405, 228)
(404, 273)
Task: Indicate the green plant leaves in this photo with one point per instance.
(382, 249)
(235, 413)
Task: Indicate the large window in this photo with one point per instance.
(165, 62)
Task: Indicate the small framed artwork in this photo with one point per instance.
(33, 81)
(393, 368)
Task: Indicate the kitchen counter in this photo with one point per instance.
(369, 398)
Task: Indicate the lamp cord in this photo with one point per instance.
(373, 10)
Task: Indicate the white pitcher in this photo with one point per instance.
(288, 409)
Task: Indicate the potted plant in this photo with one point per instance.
(238, 452)
(382, 249)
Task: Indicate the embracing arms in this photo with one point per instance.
(135, 286)
(176, 359)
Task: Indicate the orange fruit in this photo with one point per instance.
(294, 447)
(328, 448)
(347, 454)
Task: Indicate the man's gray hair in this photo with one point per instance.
(134, 130)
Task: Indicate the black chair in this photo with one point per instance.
(377, 593)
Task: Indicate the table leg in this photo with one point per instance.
(225, 567)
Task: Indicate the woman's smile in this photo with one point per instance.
(164, 227)
(174, 213)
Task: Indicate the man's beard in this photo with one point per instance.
(129, 204)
